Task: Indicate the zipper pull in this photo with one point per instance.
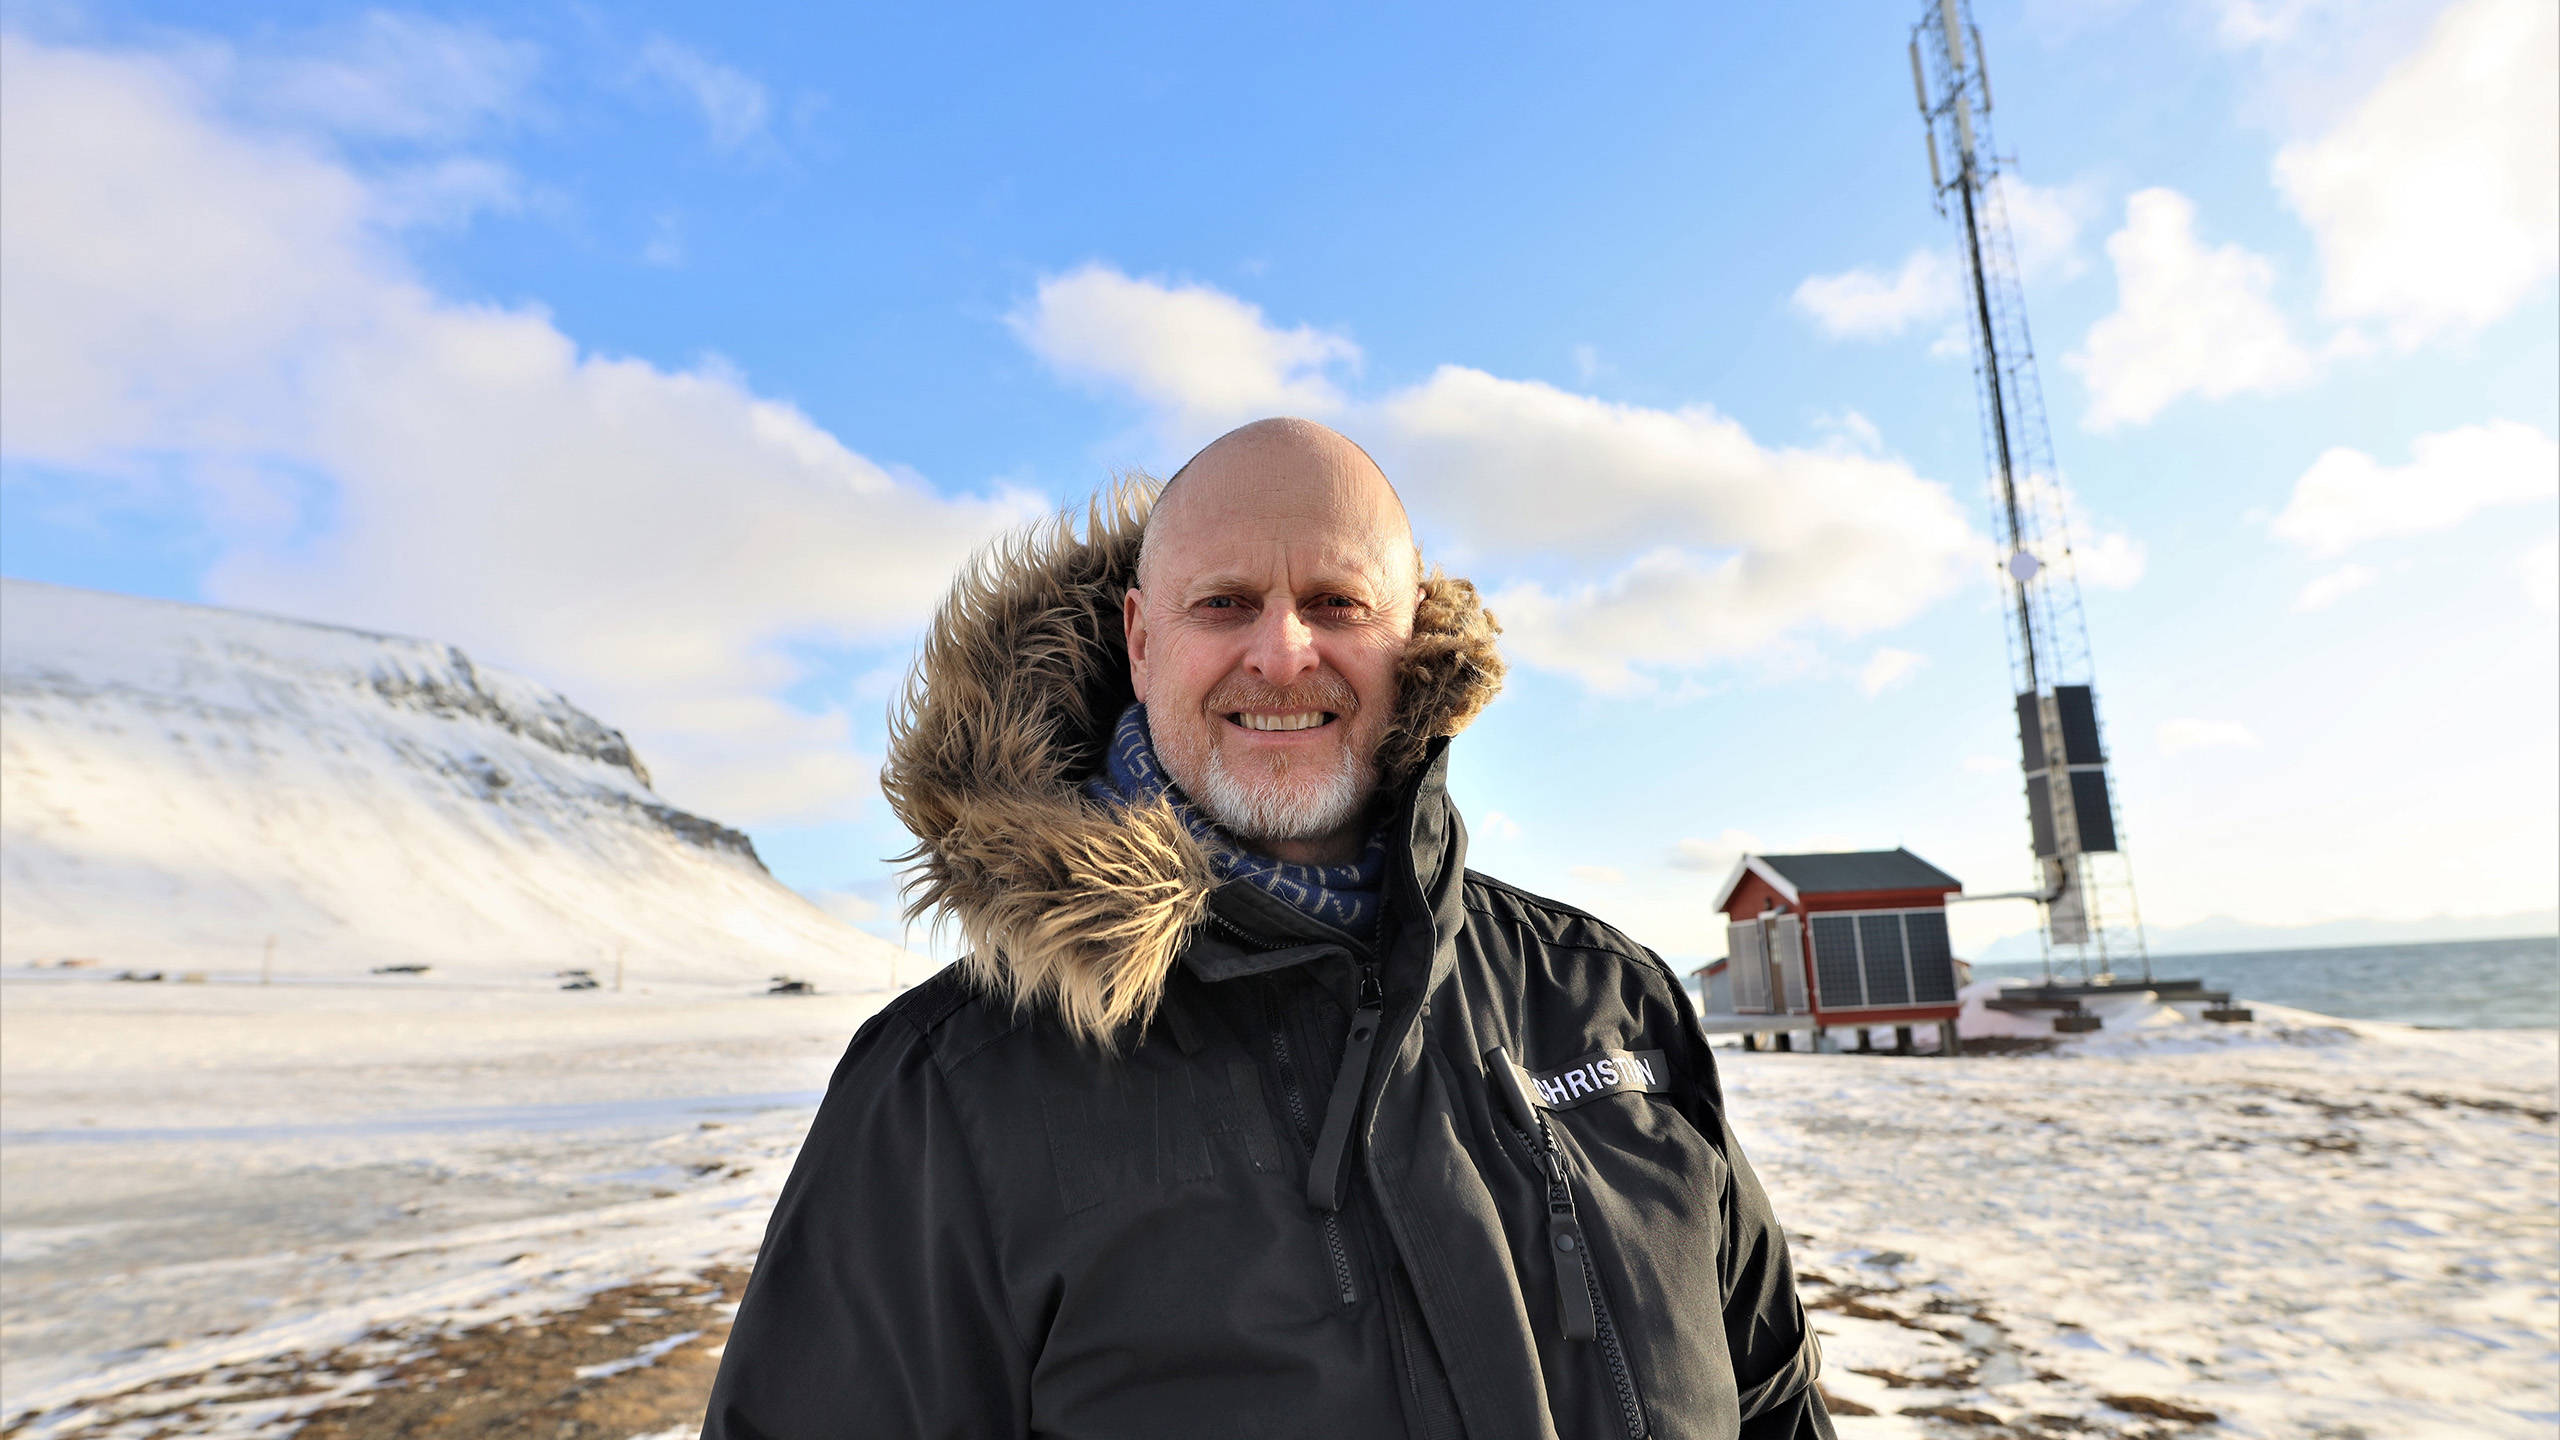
(1325, 1173)
(1568, 1248)
(1573, 1285)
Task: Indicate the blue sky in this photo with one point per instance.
(674, 357)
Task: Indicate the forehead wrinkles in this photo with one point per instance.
(1294, 569)
(1196, 551)
(1236, 502)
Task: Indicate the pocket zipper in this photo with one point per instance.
(1583, 1310)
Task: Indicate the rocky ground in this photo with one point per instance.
(635, 1360)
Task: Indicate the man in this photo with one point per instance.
(1252, 1111)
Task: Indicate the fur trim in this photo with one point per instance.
(1069, 904)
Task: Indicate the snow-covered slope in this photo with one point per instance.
(178, 784)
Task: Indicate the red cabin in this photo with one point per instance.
(1852, 939)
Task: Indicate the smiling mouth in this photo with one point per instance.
(1291, 720)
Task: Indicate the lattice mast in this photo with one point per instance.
(2092, 923)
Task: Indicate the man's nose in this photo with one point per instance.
(1283, 648)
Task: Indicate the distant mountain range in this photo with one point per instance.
(179, 784)
(2221, 935)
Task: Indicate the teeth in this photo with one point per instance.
(1303, 720)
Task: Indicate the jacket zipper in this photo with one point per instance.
(1328, 1217)
(1328, 1220)
(1583, 1309)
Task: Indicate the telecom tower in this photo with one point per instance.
(2092, 924)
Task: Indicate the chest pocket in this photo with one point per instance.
(1633, 1233)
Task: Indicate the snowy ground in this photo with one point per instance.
(2304, 1227)
(197, 1176)
(224, 1207)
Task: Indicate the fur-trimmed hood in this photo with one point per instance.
(1068, 903)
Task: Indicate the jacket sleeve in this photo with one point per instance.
(1776, 1356)
(877, 1306)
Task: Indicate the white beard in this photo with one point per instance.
(1284, 807)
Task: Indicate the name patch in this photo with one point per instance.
(1606, 1072)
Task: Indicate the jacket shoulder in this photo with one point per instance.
(1554, 925)
(950, 1016)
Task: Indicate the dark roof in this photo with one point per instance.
(1860, 870)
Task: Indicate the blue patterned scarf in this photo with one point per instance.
(1343, 896)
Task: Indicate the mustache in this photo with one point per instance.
(1319, 691)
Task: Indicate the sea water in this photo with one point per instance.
(2450, 984)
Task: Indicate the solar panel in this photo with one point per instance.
(2089, 807)
(1933, 963)
(2077, 708)
(1835, 962)
(1880, 941)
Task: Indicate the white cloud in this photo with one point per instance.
(735, 109)
(2044, 225)
(1201, 357)
(845, 905)
(1587, 365)
(665, 248)
(369, 452)
(1682, 539)
(2436, 203)
(1715, 857)
(447, 191)
(2245, 23)
(2188, 320)
(2323, 591)
(1497, 826)
(2347, 497)
(1988, 764)
(1852, 431)
(2100, 558)
(2109, 560)
(380, 76)
(1864, 304)
(1706, 544)
(2541, 570)
(1597, 874)
(2177, 737)
(1867, 304)
(1887, 668)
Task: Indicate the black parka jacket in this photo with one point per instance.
(1472, 1179)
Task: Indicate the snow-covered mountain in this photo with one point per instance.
(179, 783)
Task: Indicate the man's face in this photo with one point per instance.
(1264, 639)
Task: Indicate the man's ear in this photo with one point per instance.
(1133, 631)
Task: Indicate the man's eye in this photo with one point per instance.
(1219, 602)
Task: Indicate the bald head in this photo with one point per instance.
(1276, 591)
(1271, 469)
